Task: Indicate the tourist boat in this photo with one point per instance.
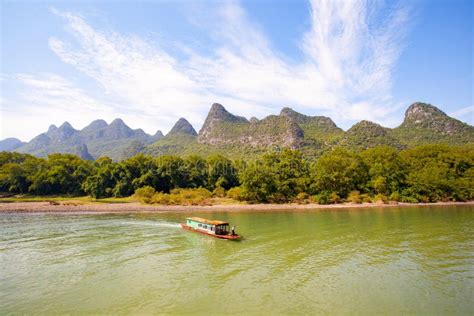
(212, 228)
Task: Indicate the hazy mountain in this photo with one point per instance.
(95, 140)
(182, 126)
(9, 144)
(181, 138)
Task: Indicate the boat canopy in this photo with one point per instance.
(206, 221)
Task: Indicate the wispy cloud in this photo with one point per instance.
(465, 114)
(350, 52)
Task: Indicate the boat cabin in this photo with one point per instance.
(213, 227)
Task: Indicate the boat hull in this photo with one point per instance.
(228, 237)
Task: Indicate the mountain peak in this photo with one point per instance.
(313, 126)
(96, 125)
(423, 116)
(65, 126)
(298, 117)
(217, 107)
(217, 115)
(62, 133)
(218, 112)
(52, 128)
(419, 112)
(118, 121)
(366, 134)
(287, 111)
(182, 126)
(366, 126)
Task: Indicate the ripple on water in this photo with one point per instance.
(407, 260)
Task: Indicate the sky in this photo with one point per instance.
(152, 62)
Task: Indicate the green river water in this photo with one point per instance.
(362, 261)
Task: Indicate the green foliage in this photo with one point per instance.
(275, 177)
(326, 197)
(427, 173)
(301, 198)
(386, 171)
(439, 173)
(60, 174)
(144, 194)
(221, 172)
(235, 193)
(338, 171)
(354, 197)
(219, 192)
(198, 196)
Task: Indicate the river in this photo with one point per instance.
(345, 261)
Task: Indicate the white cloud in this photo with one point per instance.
(349, 51)
(465, 114)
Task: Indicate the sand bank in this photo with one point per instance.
(73, 207)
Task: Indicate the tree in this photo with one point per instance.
(439, 172)
(386, 171)
(196, 172)
(221, 173)
(338, 171)
(276, 176)
(62, 174)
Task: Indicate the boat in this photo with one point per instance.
(214, 228)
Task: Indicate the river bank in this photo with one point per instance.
(73, 206)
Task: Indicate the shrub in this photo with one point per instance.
(354, 197)
(365, 198)
(235, 193)
(218, 192)
(395, 196)
(144, 194)
(408, 199)
(301, 198)
(278, 198)
(160, 198)
(326, 198)
(334, 198)
(380, 198)
(198, 196)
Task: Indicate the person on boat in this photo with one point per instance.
(233, 230)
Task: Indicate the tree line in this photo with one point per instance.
(426, 173)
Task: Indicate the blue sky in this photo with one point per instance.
(152, 62)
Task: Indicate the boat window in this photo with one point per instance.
(212, 228)
(199, 225)
(205, 226)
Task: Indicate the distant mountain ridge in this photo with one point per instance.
(232, 135)
(95, 140)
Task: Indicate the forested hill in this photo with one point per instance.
(235, 136)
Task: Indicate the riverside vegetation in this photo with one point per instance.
(427, 173)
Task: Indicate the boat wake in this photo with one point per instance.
(155, 224)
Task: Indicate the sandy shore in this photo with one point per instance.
(74, 207)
